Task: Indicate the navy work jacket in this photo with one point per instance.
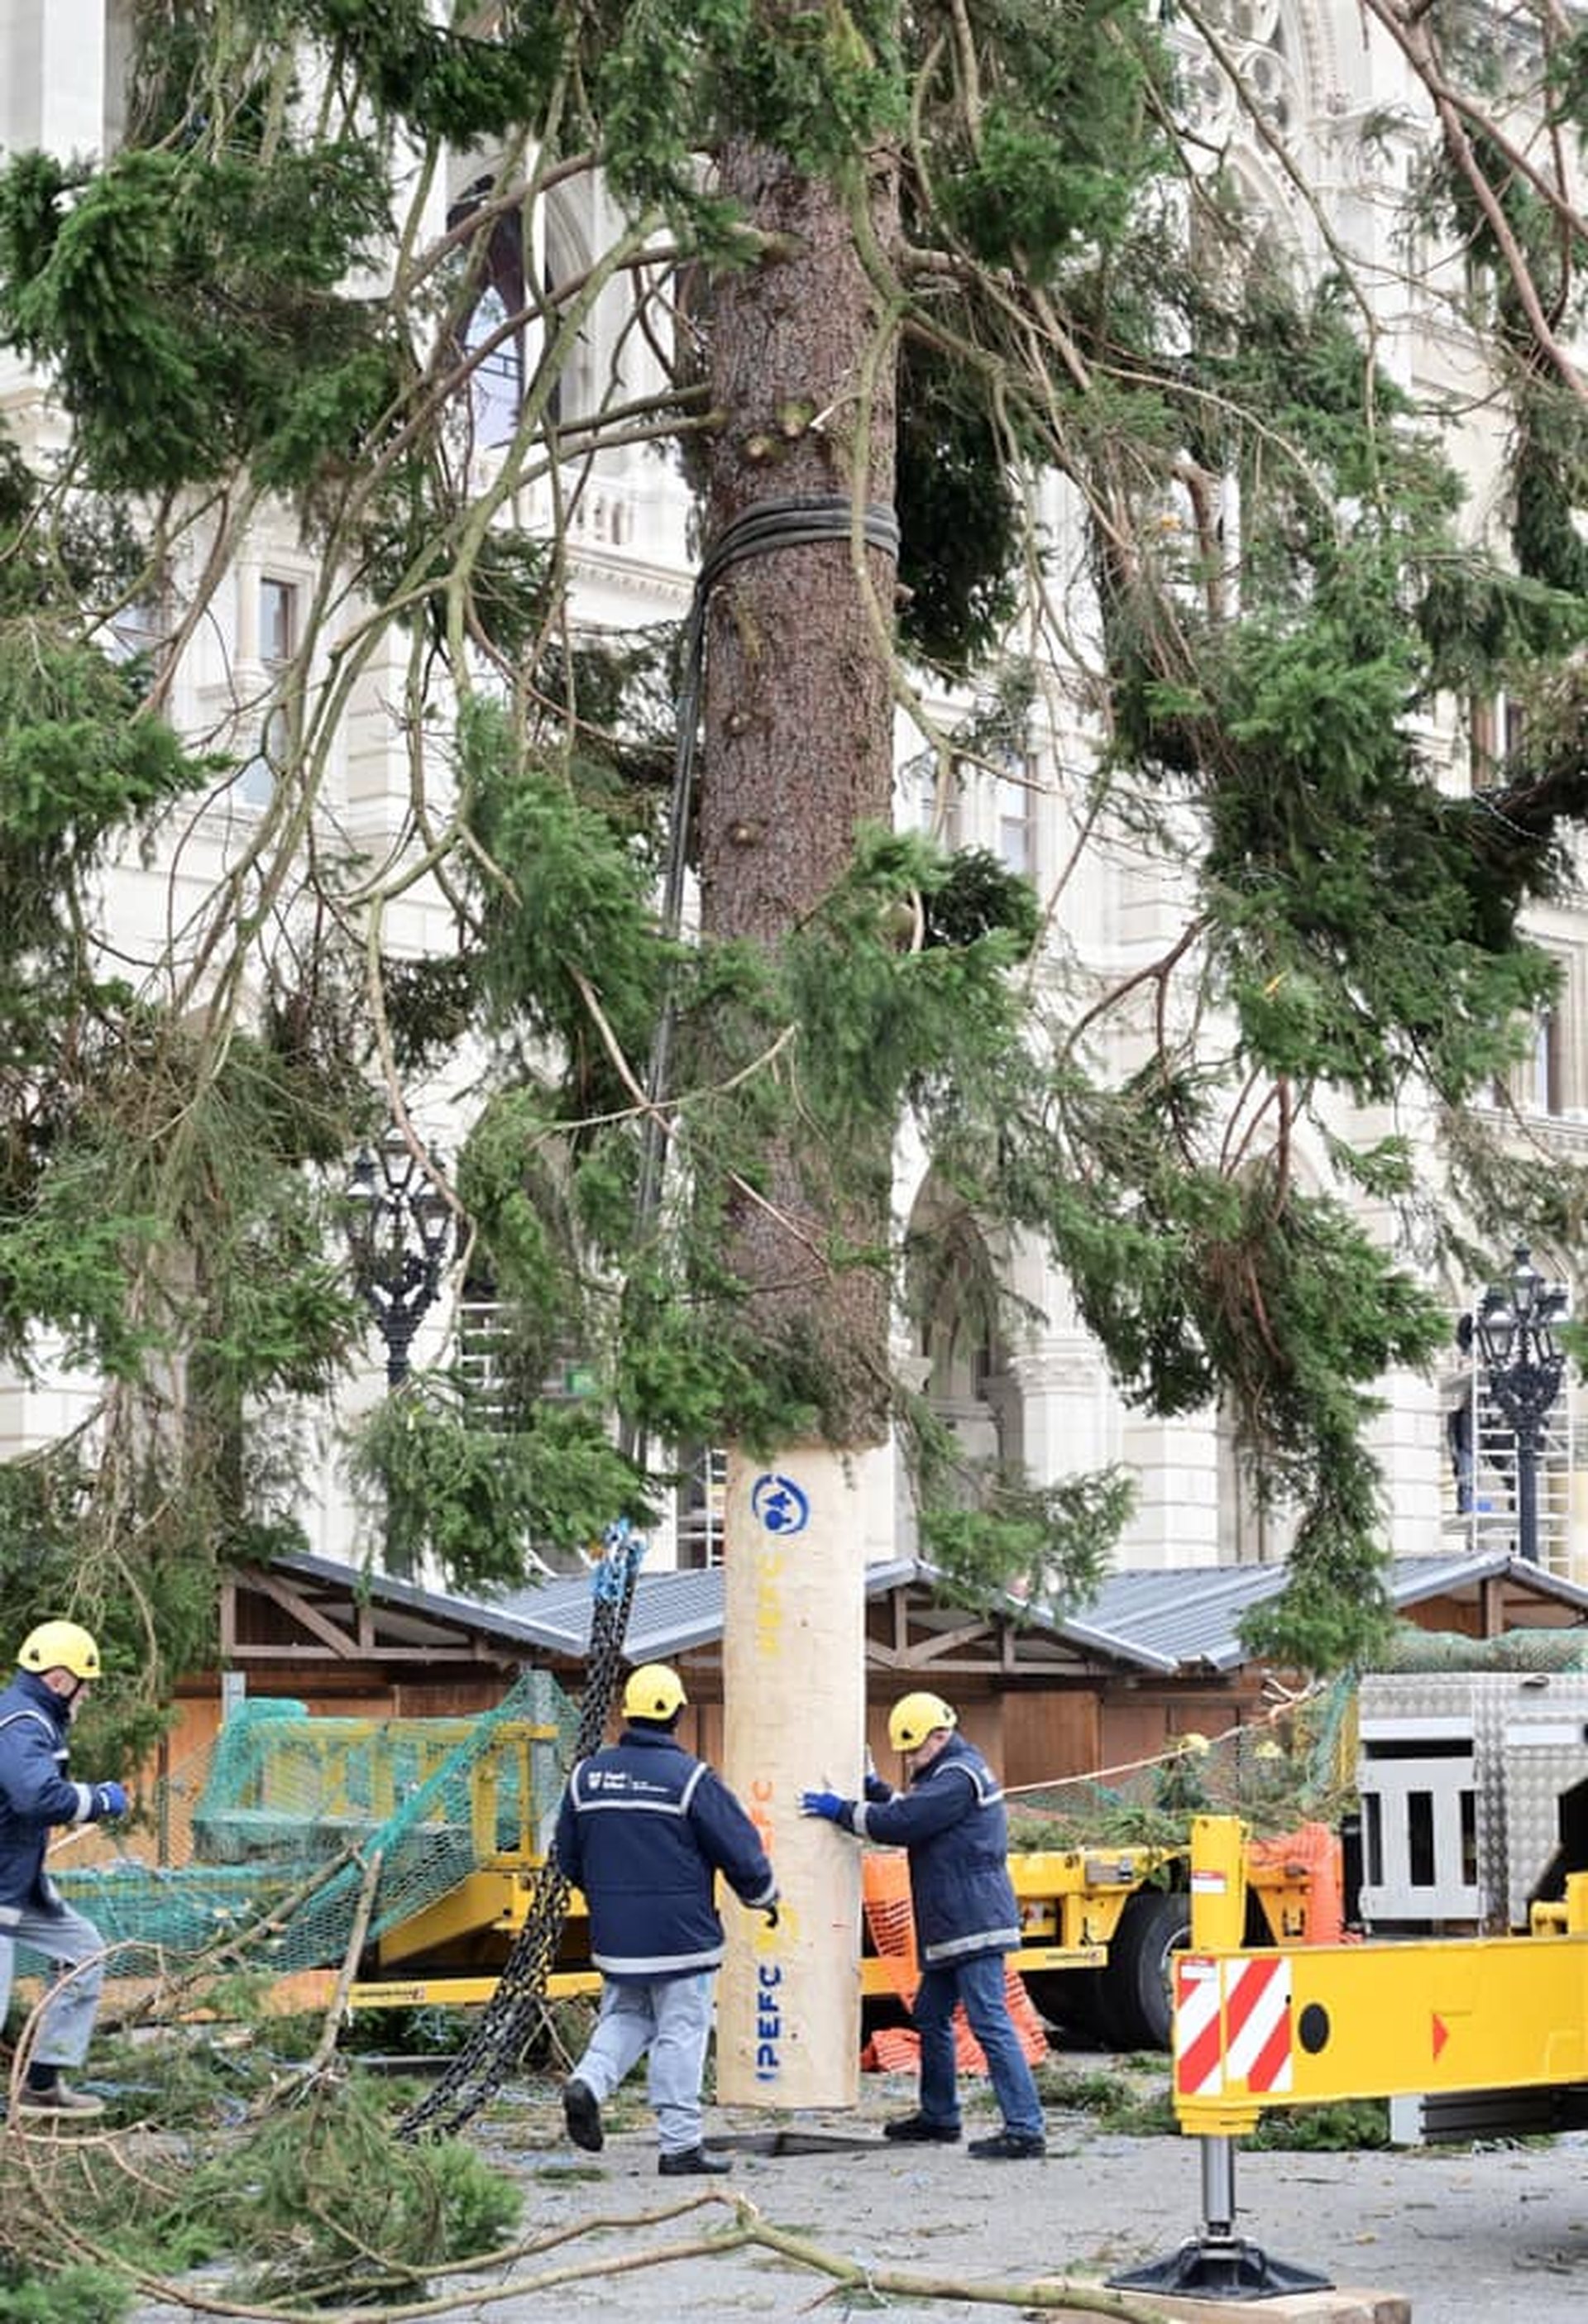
(952, 1820)
(643, 1828)
(35, 1791)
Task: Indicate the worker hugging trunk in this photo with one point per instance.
(951, 1823)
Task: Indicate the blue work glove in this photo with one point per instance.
(876, 1790)
(827, 1804)
(109, 1800)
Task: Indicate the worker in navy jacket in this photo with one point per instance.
(643, 1829)
(951, 1821)
(56, 1663)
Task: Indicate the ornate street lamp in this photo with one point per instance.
(398, 1225)
(1515, 1325)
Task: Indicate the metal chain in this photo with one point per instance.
(514, 2011)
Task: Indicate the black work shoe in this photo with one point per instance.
(693, 2163)
(581, 2110)
(58, 2097)
(917, 2130)
(1008, 2146)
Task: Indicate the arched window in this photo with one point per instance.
(492, 332)
(1253, 37)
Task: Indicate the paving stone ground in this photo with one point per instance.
(1441, 2236)
(1459, 2236)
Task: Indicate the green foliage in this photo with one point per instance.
(67, 1264)
(1368, 938)
(1126, 2103)
(75, 756)
(78, 2295)
(512, 591)
(325, 2202)
(475, 1498)
(442, 82)
(1058, 150)
(1533, 1197)
(81, 766)
(286, 2186)
(1200, 1283)
(1364, 925)
(1292, 360)
(425, 2030)
(168, 1215)
(691, 1362)
(515, 1175)
(569, 914)
(189, 306)
(821, 85)
(1049, 1545)
(1350, 2126)
(975, 898)
(1483, 626)
(1134, 2101)
(958, 513)
(49, 1568)
(1549, 444)
(1550, 468)
(549, 1173)
(878, 1022)
(239, 302)
(79, 1242)
(429, 1006)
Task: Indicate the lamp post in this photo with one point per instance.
(398, 1225)
(1515, 1326)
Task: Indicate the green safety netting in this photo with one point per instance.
(1518, 1650)
(273, 1830)
(1288, 1764)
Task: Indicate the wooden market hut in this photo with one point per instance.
(1155, 1655)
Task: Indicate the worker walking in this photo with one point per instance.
(642, 1829)
(952, 1823)
(56, 1663)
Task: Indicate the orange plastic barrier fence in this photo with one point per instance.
(1317, 1849)
(889, 1915)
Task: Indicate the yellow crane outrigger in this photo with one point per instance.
(1256, 2027)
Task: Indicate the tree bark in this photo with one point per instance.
(797, 752)
(797, 716)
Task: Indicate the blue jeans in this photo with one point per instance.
(979, 1983)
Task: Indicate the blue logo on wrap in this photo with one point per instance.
(777, 1505)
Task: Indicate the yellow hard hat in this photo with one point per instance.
(654, 1691)
(914, 1717)
(61, 1645)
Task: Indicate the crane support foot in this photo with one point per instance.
(1221, 2267)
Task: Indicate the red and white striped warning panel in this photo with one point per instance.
(1232, 2035)
(1199, 2047)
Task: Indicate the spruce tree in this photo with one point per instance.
(259, 303)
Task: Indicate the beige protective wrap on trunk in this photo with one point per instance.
(794, 1686)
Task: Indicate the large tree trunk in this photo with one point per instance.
(798, 754)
